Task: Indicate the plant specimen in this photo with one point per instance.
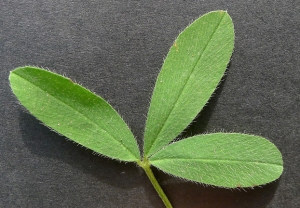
(190, 74)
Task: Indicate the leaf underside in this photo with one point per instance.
(74, 112)
(191, 72)
(222, 159)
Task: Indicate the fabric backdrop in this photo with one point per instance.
(116, 48)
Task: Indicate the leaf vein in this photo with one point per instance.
(182, 89)
(213, 160)
(82, 114)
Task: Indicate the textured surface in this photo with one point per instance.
(228, 160)
(191, 72)
(74, 112)
(116, 49)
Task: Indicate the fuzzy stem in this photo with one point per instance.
(145, 164)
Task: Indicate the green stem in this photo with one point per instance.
(145, 164)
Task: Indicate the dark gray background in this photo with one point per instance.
(116, 49)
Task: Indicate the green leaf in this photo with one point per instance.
(222, 159)
(191, 72)
(74, 112)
